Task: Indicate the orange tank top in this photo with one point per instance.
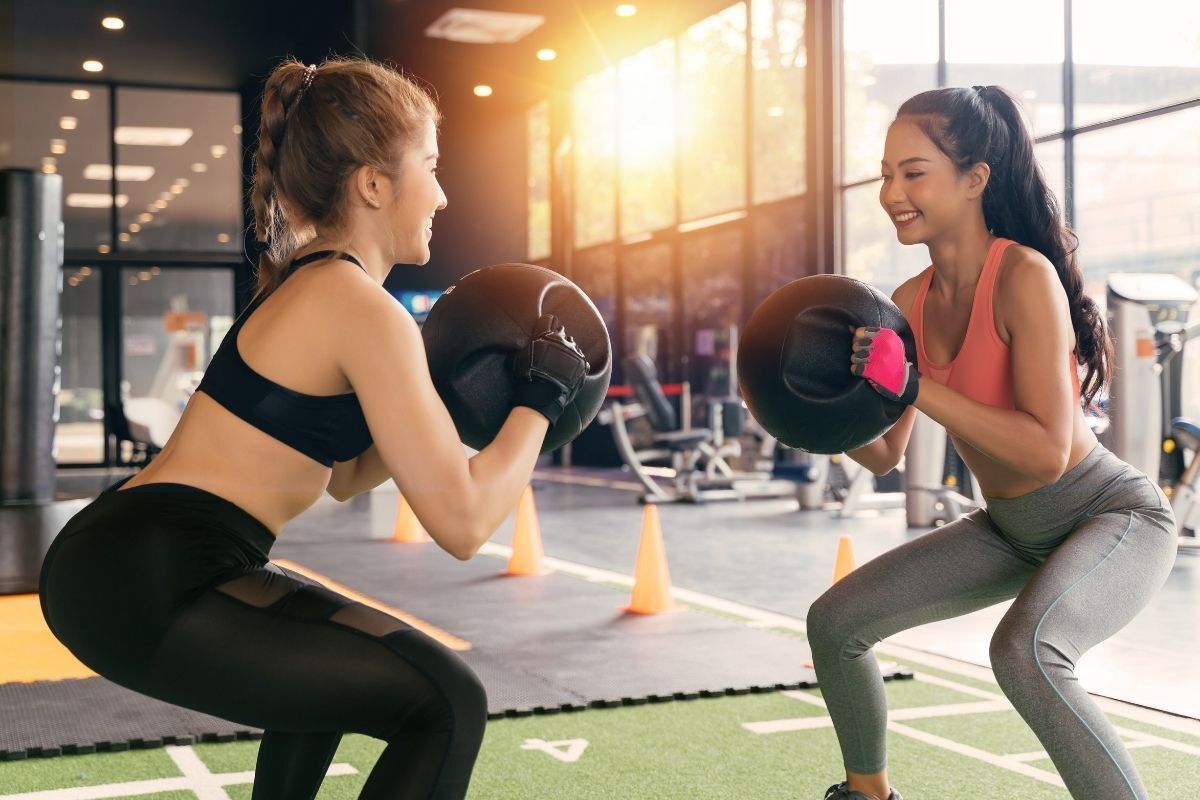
(982, 370)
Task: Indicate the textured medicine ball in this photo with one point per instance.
(475, 328)
(794, 364)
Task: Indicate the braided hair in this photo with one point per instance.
(319, 124)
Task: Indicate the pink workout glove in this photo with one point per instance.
(878, 357)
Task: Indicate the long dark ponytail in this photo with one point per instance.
(984, 123)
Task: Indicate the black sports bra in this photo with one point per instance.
(326, 428)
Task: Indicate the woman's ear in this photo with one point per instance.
(366, 185)
(977, 179)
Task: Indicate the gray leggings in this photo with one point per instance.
(1082, 557)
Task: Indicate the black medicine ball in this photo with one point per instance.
(478, 324)
(794, 364)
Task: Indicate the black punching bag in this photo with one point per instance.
(475, 328)
(794, 364)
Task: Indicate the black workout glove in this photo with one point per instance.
(549, 371)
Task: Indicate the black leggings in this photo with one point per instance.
(166, 589)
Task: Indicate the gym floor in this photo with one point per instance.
(761, 564)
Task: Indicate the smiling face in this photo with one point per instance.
(417, 197)
(923, 192)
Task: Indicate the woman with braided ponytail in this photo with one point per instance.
(1079, 538)
(163, 584)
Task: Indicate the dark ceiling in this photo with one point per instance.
(228, 44)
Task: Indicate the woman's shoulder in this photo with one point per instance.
(335, 298)
(1023, 269)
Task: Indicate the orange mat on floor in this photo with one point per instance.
(32, 652)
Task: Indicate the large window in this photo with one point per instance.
(79, 434)
(172, 322)
(537, 126)
(890, 52)
(646, 92)
(688, 168)
(178, 156)
(649, 305)
(152, 218)
(871, 251)
(778, 59)
(1022, 51)
(779, 242)
(178, 164)
(594, 128)
(1129, 186)
(709, 130)
(1129, 58)
(712, 305)
(1137, 198)
(712, 70)
(595, 272)
(64, 129)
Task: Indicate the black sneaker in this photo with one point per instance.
(840, 792)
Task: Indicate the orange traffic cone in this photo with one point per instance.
(651, 578)
(408, 528)
(843, 563)
(526, 556)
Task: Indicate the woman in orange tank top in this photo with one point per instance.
(1079, 538)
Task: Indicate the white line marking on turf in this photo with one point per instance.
(771, 619)
(922, 712)
(196, 778)
(974, 752)
(566, 750)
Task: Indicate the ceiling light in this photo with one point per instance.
(160, 204)
(73, 281)
(49, 161)
(176, 189)
(68, 123)
(58, 146)
(474, 26)
(218, 150)
(124, 237)
(199, 167)
(237, 129)
(113, 23)
(135, 228)
(103, 248)
(125, 172)
(546, 54)
(222, 237)
(626, 10)
(85, 271)
(152, 137)
(165, 196)
(133, 281)
(144, 275)
(92, 65)
(483, 90)
(93, 200)
(80, 94)
(155, 270)
(184, 182)
(49, 169)
(145, 216)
